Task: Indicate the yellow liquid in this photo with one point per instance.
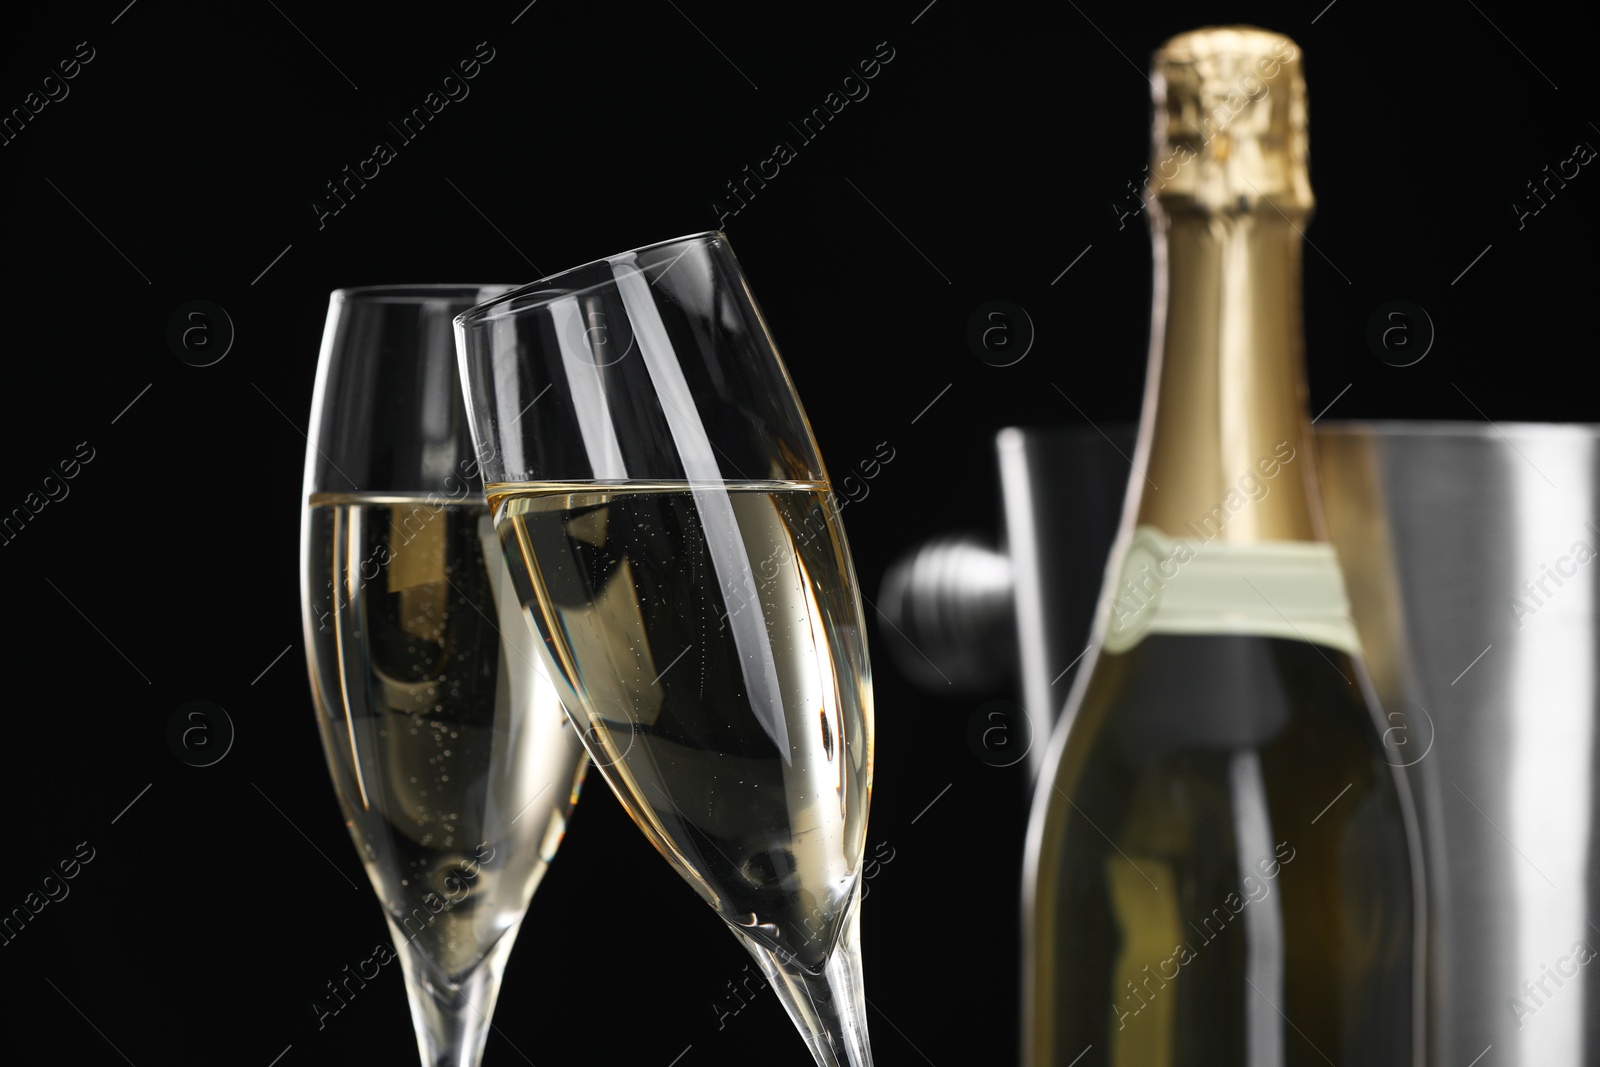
(711, 637)
(453, 760)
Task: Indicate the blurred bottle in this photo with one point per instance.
(1222, 866)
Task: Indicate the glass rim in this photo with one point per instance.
(547, 292)
(417, 292)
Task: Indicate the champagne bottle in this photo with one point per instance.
(1222, 868)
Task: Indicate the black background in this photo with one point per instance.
(985, 160)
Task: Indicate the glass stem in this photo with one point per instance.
(830, 1008)
(452, 1018)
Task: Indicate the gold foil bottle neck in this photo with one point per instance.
(1230, 124)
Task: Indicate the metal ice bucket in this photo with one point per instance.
(1470, 553)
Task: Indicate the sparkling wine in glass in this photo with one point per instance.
(453, 760)
(672, 534)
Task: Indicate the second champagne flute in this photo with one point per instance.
(672, 533)
(449, 750)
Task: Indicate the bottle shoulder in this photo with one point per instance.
(1201, 697)
(1172, 749)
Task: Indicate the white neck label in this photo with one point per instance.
(1289, 589)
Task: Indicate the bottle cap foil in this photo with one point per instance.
(1230, 124)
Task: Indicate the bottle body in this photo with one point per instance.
(1222, 869)
(1222, 866)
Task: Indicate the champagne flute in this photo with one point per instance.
(673, 536)
(451, 755)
